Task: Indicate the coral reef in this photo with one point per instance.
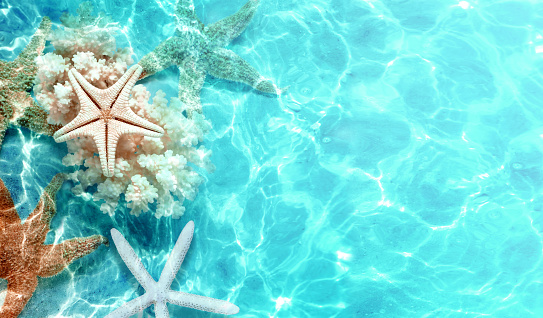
(16, 79)
(105, 116)
(89, 99)
(196, 49)
(146, 169)
(24, 257)
(159, 293)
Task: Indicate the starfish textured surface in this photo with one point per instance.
(105, 116)
(159, 293)
(24, 257)
(16, 79)
(196, 49)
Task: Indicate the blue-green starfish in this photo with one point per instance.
(197, 49)
(16, 79)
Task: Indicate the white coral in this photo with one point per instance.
(147, 170)
(91, 50)
(92, 38)
(152, 169)
(139, 194)
(110, 192)
(50, 66)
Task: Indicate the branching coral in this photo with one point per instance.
(146, 169)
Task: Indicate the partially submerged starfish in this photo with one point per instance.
(196, 49)
(16, 79)
(159, 293)
(24, 257)
(105, 116)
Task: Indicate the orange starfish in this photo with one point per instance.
(24, 257)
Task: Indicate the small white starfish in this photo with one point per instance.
(159, 293)
(105, 116)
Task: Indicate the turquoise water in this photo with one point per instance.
(400, 176)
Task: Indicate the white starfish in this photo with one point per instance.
(159, 293)
(105, 116)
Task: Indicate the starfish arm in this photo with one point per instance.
(185, 15)
(20, 289)
(57, 257)
(120, 91)
(19, 101)
(132, 307)
(226, 64)
(88, 111)
(37, 224)
(161, 310)
(84, 88)
(35, 119)
(142, 126)
(36, 45)
(116, 128)
(222, 32)
(123, 112)
(8, 213)
(103, 98)
(96, 130)
(162, 56)
(191, 81)
(176, 256)
(4, 123)
(202, 303)
(132, 261)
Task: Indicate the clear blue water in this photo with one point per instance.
(401, 176)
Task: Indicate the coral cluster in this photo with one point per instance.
(148, 152)
(146, 169)
(24, 257)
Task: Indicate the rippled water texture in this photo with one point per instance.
(400, 176)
